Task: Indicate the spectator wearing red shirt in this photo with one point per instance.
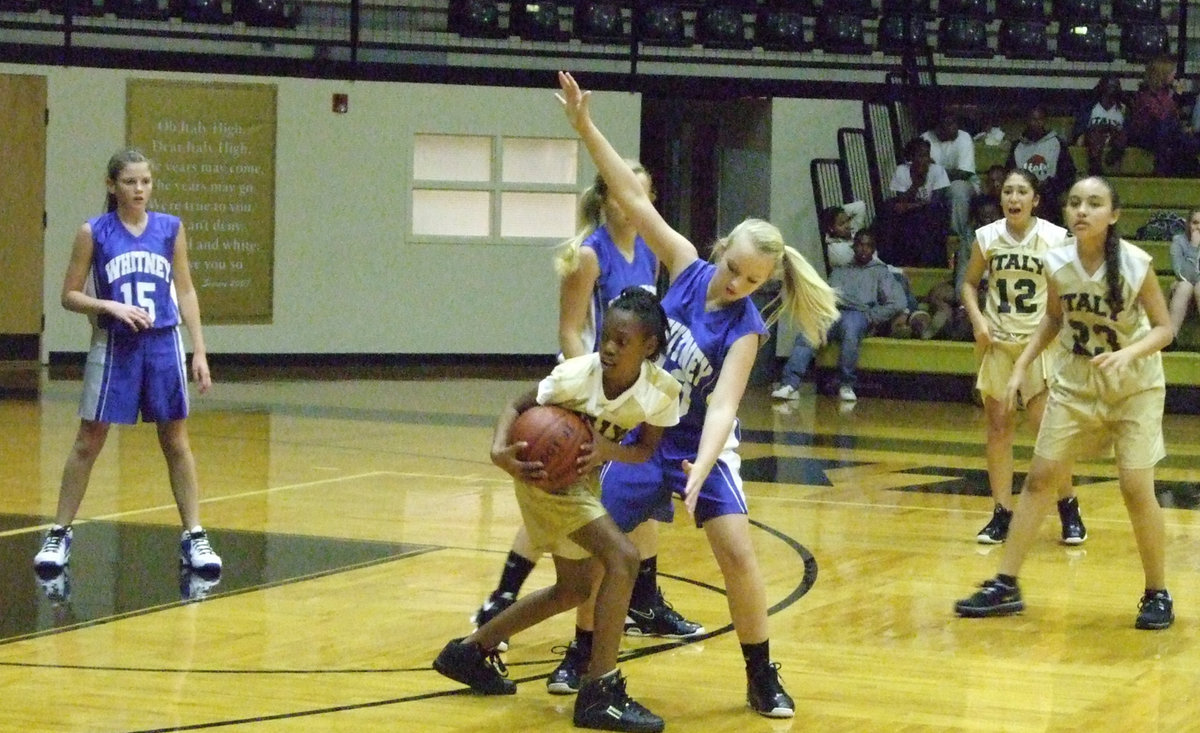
(1154, 122)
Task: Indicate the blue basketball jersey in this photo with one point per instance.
(697, 343)
(616, 274)
(135, 270)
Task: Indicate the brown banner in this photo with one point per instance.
(213, 148)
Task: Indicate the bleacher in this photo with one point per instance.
(1142, 195)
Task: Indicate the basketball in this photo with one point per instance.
(553, 435)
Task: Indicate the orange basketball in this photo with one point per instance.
(554, 436)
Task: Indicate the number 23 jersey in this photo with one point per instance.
(1089, 326)
(1016, 271)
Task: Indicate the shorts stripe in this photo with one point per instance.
(181, 363)
(732, 481)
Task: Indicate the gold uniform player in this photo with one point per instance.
(1106, 308)
(1011, 252)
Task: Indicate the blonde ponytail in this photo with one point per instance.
(805, 300)
(588, 219)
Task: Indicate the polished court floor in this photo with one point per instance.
(361, 523)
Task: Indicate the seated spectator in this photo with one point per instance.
(868, 298)
(954, 150)
(1100, 125)
(839, 224)
(1185, 261)
(1043, 153)
(992, 181)
(1154, 122)
(914, 223)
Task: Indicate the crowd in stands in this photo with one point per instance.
(937, 199)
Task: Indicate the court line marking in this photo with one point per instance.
(246, 494)
(806, 583)
(943, 510)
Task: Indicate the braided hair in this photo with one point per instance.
(1112, 254)
(645, 306)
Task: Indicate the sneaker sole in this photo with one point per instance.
(1072, 541)
(561, 688)
(1004, 609)
(443, 671)
(1154, 627)
(634, 631)
(611, 724)
(774, 712)
(985, 540)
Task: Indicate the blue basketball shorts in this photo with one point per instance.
(635, 492)
(131, 373)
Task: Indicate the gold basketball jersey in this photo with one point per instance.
(1089, 325)
(1016, 272)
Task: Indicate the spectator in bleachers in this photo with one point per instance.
(1155, 123)
(914, 223)
(868, 298)
(1185, 261)
(1100, 125)
(839, 224)
(1042, 152)
(954, 150)
(992, 181)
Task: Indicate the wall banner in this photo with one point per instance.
(213, 149)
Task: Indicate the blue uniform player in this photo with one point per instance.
(715, 334)
(129, 273)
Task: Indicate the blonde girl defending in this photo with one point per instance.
(715, 334)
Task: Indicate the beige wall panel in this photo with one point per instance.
(22, 201)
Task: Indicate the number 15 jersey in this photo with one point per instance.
(1016, 272)
(135, 270)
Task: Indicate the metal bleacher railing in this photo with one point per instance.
(827, 42)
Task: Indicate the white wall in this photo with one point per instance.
(346, 279)
(803, 129)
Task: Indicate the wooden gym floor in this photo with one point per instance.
(361, 523)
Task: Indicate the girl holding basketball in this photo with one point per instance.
(715, 334)
(1011, 251)
(1105, 307)
(605, 256)
(618, 388)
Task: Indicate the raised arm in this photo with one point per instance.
(671, 248)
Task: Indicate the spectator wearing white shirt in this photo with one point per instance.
(1100, 125)
(954, 150)
(913, 224)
